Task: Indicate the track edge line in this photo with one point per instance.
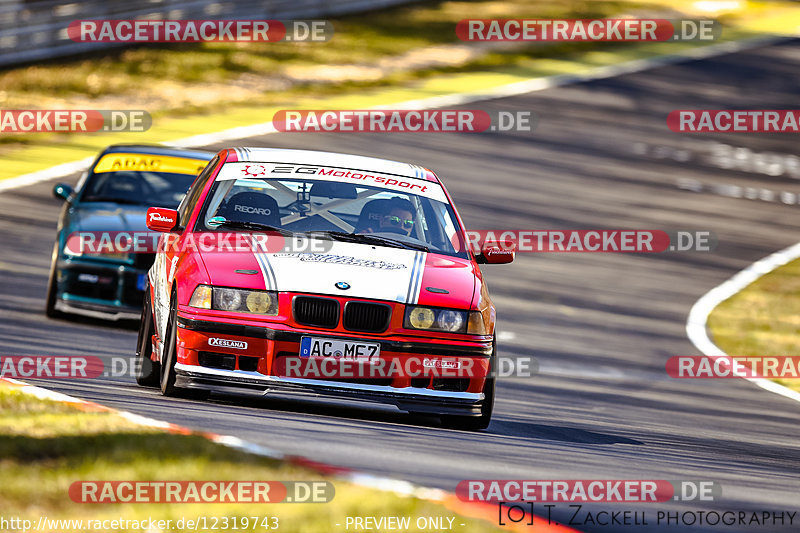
(696, 322)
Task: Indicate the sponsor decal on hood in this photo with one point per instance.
(374, 272)
(341, 259)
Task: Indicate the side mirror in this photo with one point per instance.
(494, 255)
(162, 219)
(62, 191)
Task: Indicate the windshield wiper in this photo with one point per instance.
(254, 226)
(370, 239)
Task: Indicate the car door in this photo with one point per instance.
(166, 264)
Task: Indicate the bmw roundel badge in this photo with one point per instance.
(342, 285)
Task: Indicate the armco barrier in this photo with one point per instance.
(33, 30)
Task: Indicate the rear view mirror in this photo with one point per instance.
(494, 255)
(62, 191)
(162, 219)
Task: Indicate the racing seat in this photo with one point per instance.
(371, 214)
(253, 207)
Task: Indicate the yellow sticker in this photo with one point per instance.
(149, 163)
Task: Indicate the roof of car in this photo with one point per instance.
(333, 159)
(157, 149)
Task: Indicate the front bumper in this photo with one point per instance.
(253, 383)
(256, 370)
(100, 289)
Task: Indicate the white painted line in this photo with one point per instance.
(242, 132)
(140, 420)
(698, 316)
(512, 89)
(43, 394)
(503, 336)
(247, 447)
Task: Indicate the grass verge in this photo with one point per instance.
(763, 319)
(45, 446)
(365, 47)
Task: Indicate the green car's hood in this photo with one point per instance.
(106, 216)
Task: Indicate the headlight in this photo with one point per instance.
(258, 302)
(449, 320)
(421, 318)
(430, 318)
(70, 252)
(227, 299)
(201, 297)
(244, 301)
(476, 325)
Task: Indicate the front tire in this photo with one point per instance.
(52, 287)
(148, 371)
(170, 351)
(477, 423)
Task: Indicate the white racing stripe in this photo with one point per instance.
(266, 269)
(696, 324)
(412, 296)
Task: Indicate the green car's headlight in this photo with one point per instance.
(236, 300)
(433, 319)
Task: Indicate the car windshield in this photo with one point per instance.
(351, 212)
(162, 189)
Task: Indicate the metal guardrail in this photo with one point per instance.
(33, 30)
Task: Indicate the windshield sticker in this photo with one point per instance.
(149, 163)
(270, 171)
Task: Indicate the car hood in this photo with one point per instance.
(351, 270)
(104, 216)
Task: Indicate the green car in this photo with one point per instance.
(113, 196)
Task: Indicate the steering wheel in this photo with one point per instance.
(394, 229)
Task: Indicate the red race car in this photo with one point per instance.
(313, 273)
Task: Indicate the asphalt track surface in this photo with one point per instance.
(600, 325)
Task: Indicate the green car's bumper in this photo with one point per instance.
(102, 289)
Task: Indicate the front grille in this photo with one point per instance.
(363, 316)
(100, 284)
(319, 312)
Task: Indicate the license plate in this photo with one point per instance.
(339, 349)
(141, 282)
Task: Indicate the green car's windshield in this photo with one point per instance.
(148, 188)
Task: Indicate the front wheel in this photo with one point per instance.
(476, 423)
(148, 371)
(52, 287)
(170, 351)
